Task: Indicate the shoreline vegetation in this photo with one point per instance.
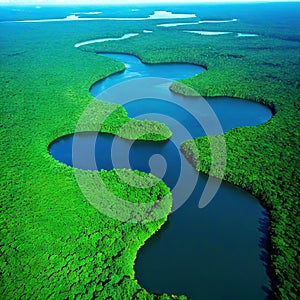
(120, 124)
(54, 243)
(117, 121)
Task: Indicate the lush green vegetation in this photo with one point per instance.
(118, 123)
(53, 242)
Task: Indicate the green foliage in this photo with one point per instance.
(137, 130)
(54, 244)
(120, 124)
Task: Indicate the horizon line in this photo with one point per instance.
(136, 2)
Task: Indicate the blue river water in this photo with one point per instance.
(218, 252)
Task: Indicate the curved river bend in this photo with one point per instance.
(218, 252)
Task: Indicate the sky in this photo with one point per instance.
(41, 2)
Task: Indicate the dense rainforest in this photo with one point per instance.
(54, 244)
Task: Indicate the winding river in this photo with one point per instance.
(218, 252)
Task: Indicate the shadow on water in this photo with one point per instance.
(264, 245)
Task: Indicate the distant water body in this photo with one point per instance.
(157, 15)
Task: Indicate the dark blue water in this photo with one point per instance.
(211, 253)
(136, 69)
